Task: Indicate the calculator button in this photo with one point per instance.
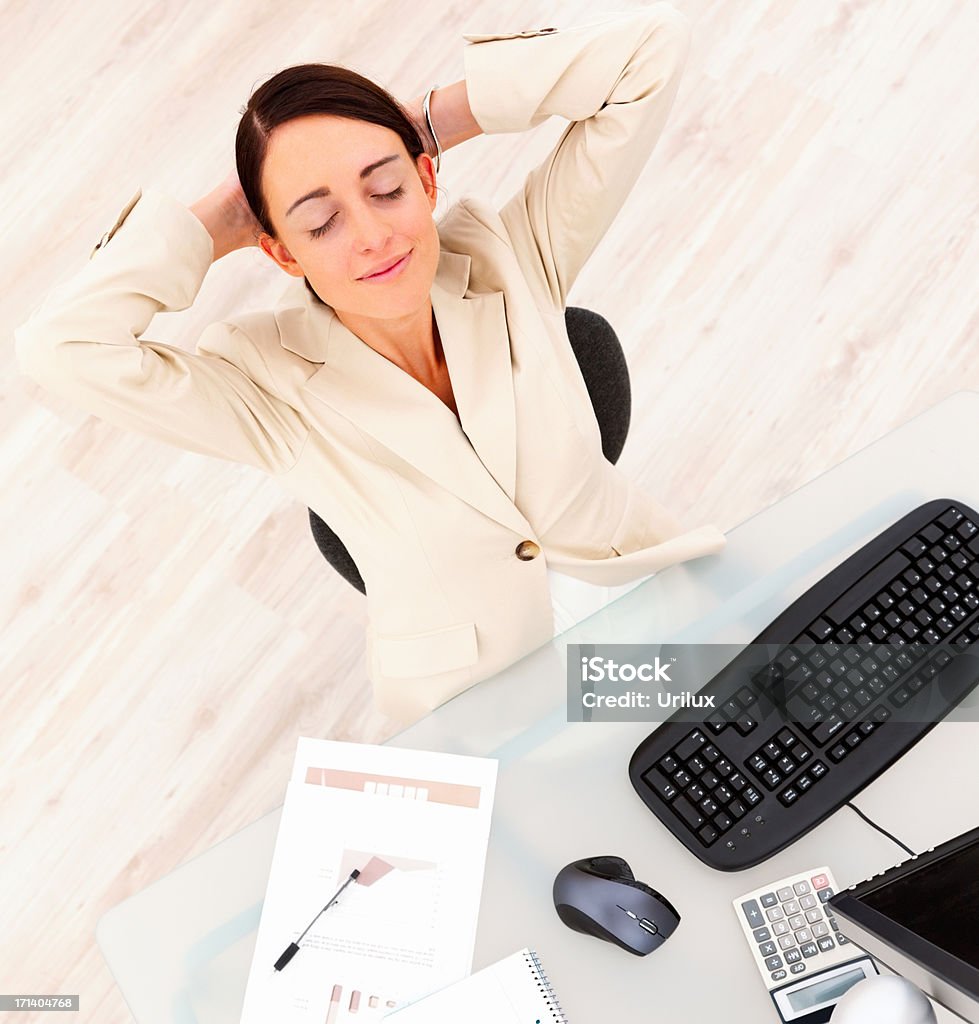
(791, 907)
(832, 923)
(819, 881)
(785, 893)
(801, 888)
(775, 914)
(825, 894)
(779, 975)
(841, 939)
(819, 930)
(761, 934)
(809, 949)
(812, 916)
(768, 949)
(797, 968)
(792, 956)
(769, 899)
(773, 962)
(798, 921)
(826, 944)
(752, 913)
(807, 902)
(804, 937)
(780, 927)
(786, 942)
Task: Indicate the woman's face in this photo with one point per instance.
(347, 200)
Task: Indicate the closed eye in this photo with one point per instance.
(322, 230)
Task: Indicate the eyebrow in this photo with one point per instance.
(319, 193)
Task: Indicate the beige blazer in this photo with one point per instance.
(432, 510)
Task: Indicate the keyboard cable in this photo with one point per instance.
(883, 831)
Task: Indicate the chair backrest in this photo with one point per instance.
(602, 362)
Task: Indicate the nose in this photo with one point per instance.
(370, 229)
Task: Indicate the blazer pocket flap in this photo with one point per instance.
(425, 654)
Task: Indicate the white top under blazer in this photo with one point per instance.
(432, 508)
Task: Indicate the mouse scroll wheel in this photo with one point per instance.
(614, 866)
(643, 922)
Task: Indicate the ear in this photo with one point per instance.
(426, 171)
(279, 255)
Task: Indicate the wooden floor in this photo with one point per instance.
(791, 279)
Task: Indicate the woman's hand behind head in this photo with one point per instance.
(225, 213)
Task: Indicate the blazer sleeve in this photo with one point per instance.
(614, 80)
(83, 343)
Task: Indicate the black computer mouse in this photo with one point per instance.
(600, 896)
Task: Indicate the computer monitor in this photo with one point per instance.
(921, 919)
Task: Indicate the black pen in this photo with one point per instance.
(293, 947)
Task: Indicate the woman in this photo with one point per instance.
(417, 388)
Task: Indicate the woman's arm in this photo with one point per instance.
(614, 80)
(84, 342)
(452, 117)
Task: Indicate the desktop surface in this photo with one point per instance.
(180, 951)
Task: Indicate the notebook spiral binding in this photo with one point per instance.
(546, 989)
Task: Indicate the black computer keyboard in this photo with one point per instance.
(850, 676)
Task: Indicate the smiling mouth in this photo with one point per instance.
(390, 271)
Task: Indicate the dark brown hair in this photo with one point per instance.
(305, 89)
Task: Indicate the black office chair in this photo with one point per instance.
(606, 376)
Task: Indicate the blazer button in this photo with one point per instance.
(526, 550)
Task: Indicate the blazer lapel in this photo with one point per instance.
(476, 460)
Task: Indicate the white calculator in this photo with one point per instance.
(804, 960)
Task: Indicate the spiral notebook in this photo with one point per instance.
(514, 990)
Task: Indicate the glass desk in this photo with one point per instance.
(180, 950)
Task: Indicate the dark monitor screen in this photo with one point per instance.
(939, 902)
(921, 919)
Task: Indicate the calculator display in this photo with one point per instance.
(824, 991)
(939, 902)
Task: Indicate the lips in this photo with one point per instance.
(384, 268)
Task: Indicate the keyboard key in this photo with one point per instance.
(708, 834)
(866, 588)
(688, 813)
(661, 784)
(745, 724)
(817, 770)
(691, 745)
(751, 796)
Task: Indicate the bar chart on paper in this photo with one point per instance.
(413, 826)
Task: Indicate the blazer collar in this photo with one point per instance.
(475, 460)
